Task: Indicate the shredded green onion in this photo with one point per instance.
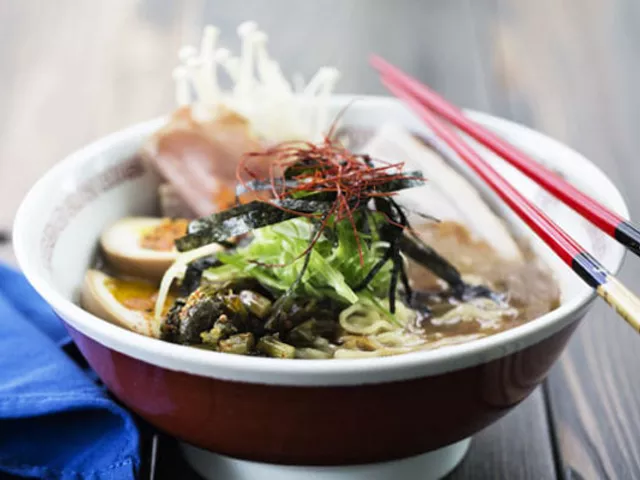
(274, 258)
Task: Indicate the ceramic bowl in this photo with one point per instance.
(313, 412)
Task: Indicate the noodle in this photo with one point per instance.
(363, 318)
(486, 312)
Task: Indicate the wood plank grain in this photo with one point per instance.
(500, 452)
(76, 70)
(571, 65)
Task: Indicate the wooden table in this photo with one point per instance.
(75, 70)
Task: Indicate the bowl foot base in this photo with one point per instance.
(429, 466)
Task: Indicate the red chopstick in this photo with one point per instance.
(609, 222)
(574, 255)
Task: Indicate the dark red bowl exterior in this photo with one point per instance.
(324, 425)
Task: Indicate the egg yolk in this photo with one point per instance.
(162, 237)
(136, 295)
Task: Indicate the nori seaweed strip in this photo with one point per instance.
(428, 257)
(393, 282)
(468, 292)
(424, 216)
(441, 267)
(391, 233)
(262, 185)
(245, 218)
(305, 165)
(374, 271)
(315, 196)
(397, 269)
(193, 275)
(415, 179)
(364, 226)
(424, 254)
(404, 278)
(401, 215)
(366, 158)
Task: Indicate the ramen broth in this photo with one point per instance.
(529, 287)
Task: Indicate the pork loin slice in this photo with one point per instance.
(199, 159)
(446, 195)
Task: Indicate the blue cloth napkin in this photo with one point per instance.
(55, 422)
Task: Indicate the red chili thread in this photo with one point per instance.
(324, 167)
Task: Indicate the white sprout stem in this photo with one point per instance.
(312, 104)
(246, 31)
(177, 269)
(183, 95)
(208, 75)
(298, 83)
(263, 62)
(317, 81)
(322, 106)
(278, 80)
(309, 103)
(269, 70)
(194, 66)
(223, 57)
(187, 52)
(276, 109)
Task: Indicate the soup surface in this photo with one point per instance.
(529, 287)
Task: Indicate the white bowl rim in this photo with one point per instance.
(304, 372)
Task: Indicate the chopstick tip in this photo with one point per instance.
(377, 62)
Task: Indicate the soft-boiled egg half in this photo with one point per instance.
(142, 246)
(128, 303)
